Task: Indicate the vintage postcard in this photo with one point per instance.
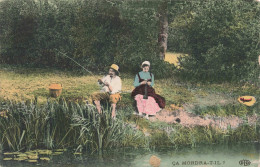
(130, 83)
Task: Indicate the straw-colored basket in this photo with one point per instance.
(55, 90)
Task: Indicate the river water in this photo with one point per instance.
(202, 156)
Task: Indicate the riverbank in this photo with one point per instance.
(78, 126)
(54, 123)
(21, 84)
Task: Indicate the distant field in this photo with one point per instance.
(173, 57)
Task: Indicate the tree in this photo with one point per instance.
(95, 33)
(163, 30)
(223, 40)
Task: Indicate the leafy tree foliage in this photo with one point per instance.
(95, 33)
(222, 39)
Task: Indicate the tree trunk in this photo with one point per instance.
(163, 32)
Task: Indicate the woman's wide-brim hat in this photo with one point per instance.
(146, 62)
(247, 100)
(115, 67)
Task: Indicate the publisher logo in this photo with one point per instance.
(244, 162)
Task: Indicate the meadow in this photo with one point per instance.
(23, 83)
(79, 128)
(36, 120)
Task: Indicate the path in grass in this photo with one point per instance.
(218, 117)
(180, 116)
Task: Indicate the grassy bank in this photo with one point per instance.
(58, 124)
(21, 84)
(68, 122)
(77, 126)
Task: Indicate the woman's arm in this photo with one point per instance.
(152, 84)
(136, 82)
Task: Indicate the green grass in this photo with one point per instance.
(67, 122)
(21, 84)
(77, 126)
(61, 124)
(226, 110)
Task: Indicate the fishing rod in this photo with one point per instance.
(74, 61)
(145, 91)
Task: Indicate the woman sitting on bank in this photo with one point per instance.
(147, 101)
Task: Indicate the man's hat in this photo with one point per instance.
(115, 67)
(247, 100)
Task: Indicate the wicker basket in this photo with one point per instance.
(55, 90)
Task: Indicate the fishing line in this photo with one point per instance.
(74, 61)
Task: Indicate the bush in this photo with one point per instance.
(93, 33)
(223, 40)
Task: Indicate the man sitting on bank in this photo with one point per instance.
(111, 88)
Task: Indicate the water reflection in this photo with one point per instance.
(206, 156)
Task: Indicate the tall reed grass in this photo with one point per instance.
(58, 124)
(78, 126)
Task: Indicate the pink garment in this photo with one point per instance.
(147, 106)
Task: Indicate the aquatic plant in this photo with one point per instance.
(97, 131)
(28, 125)
(61, 124)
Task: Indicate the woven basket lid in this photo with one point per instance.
(55, 86)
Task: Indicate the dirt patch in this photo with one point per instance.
(190, 120)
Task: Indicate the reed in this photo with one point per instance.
(58, 124)
(78, 126)
(177, 136)
(29, 126)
